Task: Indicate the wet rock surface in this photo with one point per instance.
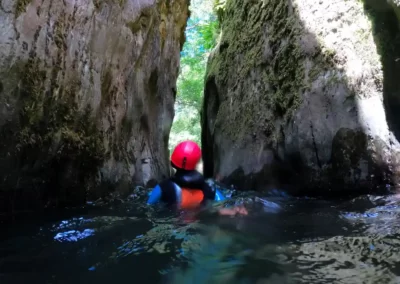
(303, 96)
(87, 91)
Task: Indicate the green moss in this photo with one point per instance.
(107, 89)
(33, 80)
(59, 34)
(134, 26)
(323, 61)
(97, 3)
(142, 22)
(248, 30)
(20, 7)
(52, 123)
(219, 9)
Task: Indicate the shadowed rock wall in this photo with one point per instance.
(87, 91)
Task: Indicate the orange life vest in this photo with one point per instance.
(191, 197)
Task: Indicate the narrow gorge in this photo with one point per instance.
(299, 95)
(295, 104)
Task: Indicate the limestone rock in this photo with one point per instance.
(304, 95)
(87, 92)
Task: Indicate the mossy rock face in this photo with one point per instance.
(291, 85)
(98, 3)
(53, 142)
(257, 69)
(275, 62)
(84, 111)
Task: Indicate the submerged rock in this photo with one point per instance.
(303, 95)
(87, 92)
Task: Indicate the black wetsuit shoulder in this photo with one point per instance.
(195, 180)
(188, 179)
(182, 178)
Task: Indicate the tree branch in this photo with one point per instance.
(192, 27)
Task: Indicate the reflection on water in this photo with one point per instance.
(73, 236)
(281, 240)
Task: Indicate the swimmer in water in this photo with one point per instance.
(187, 188)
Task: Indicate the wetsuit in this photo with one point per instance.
(185, 189)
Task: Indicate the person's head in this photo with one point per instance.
(186, 155)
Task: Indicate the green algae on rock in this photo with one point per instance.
(75, 85)
(284, 79)
(243, 37)
(20, 6)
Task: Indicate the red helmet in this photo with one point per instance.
(186, 155)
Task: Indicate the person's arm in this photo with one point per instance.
(155, 195)
(237, 210)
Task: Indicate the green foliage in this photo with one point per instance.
(208, 33)
(201, 33)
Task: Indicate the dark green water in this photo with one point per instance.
(281, 240)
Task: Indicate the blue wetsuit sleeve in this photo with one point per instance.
(155, 195)
(219, 196)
